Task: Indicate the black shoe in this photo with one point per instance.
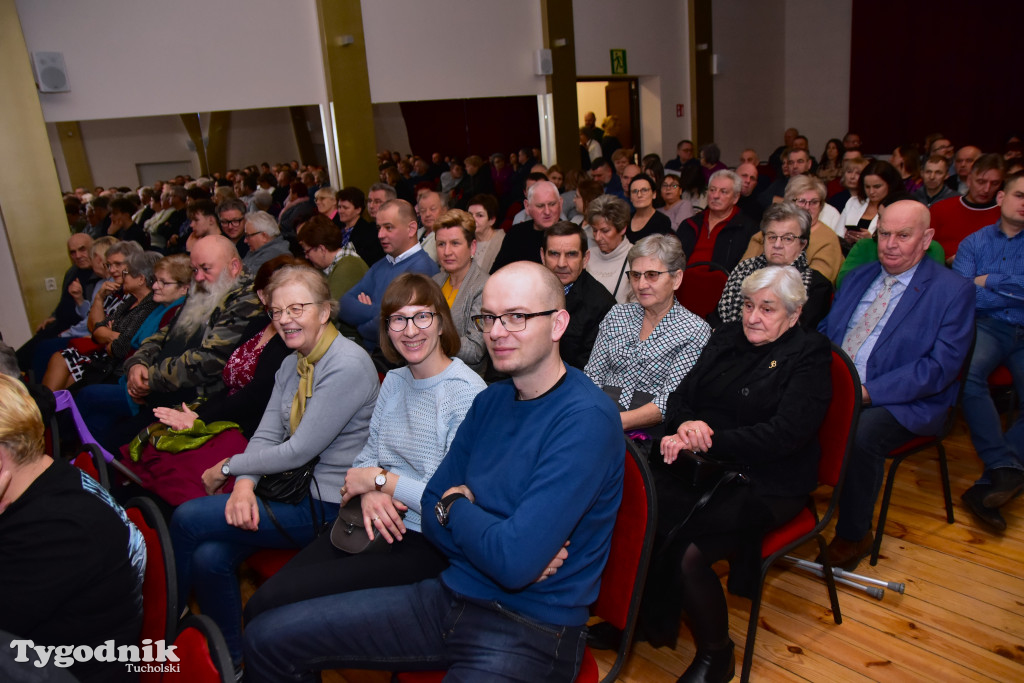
(603, 636)
(1006, 483)
(974, 499)
(711, 666)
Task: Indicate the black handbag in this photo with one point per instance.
(287, 487)
(349, 533)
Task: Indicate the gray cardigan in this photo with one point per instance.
(335, 425)
(467, 304)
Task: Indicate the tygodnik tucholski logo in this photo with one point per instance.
(137, 659)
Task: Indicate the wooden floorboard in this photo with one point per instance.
(961, 618)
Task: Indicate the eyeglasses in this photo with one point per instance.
(234, 222)
(640, 191)
(512, 322)
(422, 320)
(649, 275)
(805, 203)
(168, 283)
(670, 186)
(251, 234)
(295, 311)
(771, 238)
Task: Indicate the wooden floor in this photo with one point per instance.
(962, 617)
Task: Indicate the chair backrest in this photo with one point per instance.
(840, 424)
(622, 581)
(159, 584)
(90, 461)
(202, 651)
(702, 287)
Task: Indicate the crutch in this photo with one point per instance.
(850, 579)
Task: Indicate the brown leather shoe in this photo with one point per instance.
(848, 554)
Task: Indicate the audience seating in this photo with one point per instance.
(269, 561)
(90, 461)
(622, 582)
(202, 652)
(702, 287)
(835, 438)
(159, 586)
(917, 445)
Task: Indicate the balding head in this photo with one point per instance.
(628, 173)
(904, 235)
(965, 158)
(748, 174)
(212, 256)
(79, 246)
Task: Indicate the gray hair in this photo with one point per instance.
(127, 249)
(326, 191)
(9, 362)
(261, 221)
(389, 192)
(784, 281)
(787, 211)
(101, 244)
(262, 199)
(610, 208)
(538, 186)
(233, 204)
(665, 248)
(805, 183)
(142, 264)
(737, 182)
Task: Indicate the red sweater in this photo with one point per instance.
(953, 220)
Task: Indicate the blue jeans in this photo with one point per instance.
(208, 550)
(423, 626)
(878, 432)
(102, 406)
(997, 343)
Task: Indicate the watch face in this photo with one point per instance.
(441, 513)
(380, 479)
(224, 470)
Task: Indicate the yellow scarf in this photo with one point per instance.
(305, 369)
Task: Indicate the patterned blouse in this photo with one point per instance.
(653, 366)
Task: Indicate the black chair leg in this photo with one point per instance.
(944, 472)
(883, 513)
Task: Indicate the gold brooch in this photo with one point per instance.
(771, 365)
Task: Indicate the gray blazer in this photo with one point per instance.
(467, 303)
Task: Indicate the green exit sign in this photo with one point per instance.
(619, 62)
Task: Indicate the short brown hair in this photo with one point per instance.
(457, 218)
(178, 266)
(267, 270)
(416, 289)
(320, 231)
(21, 425)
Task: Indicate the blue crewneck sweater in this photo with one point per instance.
(366, 318)
(543, 472)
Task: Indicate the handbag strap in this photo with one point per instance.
(702, 502)
(318, 527)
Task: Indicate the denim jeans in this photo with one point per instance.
(208, 550)
(102, 406)
(878, 432)
(997, 343)
(423, 626)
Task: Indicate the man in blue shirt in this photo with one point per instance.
(993, 258)
(906, 322)
(533, 477)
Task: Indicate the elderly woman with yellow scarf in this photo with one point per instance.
(321, 405)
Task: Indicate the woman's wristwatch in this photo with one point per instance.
(225, 469)
(381, 479)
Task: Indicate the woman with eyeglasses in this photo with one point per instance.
(823, 251)
(676, 208)
(785, 229)
(420, 407)
(323, 396)
(644, 349)
(646, 220)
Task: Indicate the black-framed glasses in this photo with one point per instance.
(234, 222)
(512, 322)
(422, 320)
(788, 238)
(649, 275)
(294, 311)
(640, 191)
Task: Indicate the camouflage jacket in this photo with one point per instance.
(199, 367)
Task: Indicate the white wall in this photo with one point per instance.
(13, 318)
(128, 58)
(114, 146)
(781, 63)
(655, 35)
(58, 157)
(258, 135)
(451, 49)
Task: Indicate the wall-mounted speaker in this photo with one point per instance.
(542, 63)
(51, 74)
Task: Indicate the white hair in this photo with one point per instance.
(261, 221)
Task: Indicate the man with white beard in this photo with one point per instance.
(185, 359)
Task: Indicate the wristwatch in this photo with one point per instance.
(380, 479)
(444, 505)
(225, 469)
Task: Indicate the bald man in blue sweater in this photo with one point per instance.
(536, 464)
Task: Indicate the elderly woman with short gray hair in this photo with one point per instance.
(785, 229)
(644, 349)
(753, 404)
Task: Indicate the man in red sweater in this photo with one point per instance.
(957, 217)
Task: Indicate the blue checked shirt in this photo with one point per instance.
(990, 252)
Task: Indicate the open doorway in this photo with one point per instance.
(612, 97)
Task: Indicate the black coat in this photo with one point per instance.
(588, 302)
(730, 243)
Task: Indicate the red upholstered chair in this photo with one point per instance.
(268, 562)
(202, 652)
(159, 585)
(91, 461)
(917, 445)
(622, 582)
(702, 287)
(835, 438)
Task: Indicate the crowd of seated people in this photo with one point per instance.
(162, 335)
